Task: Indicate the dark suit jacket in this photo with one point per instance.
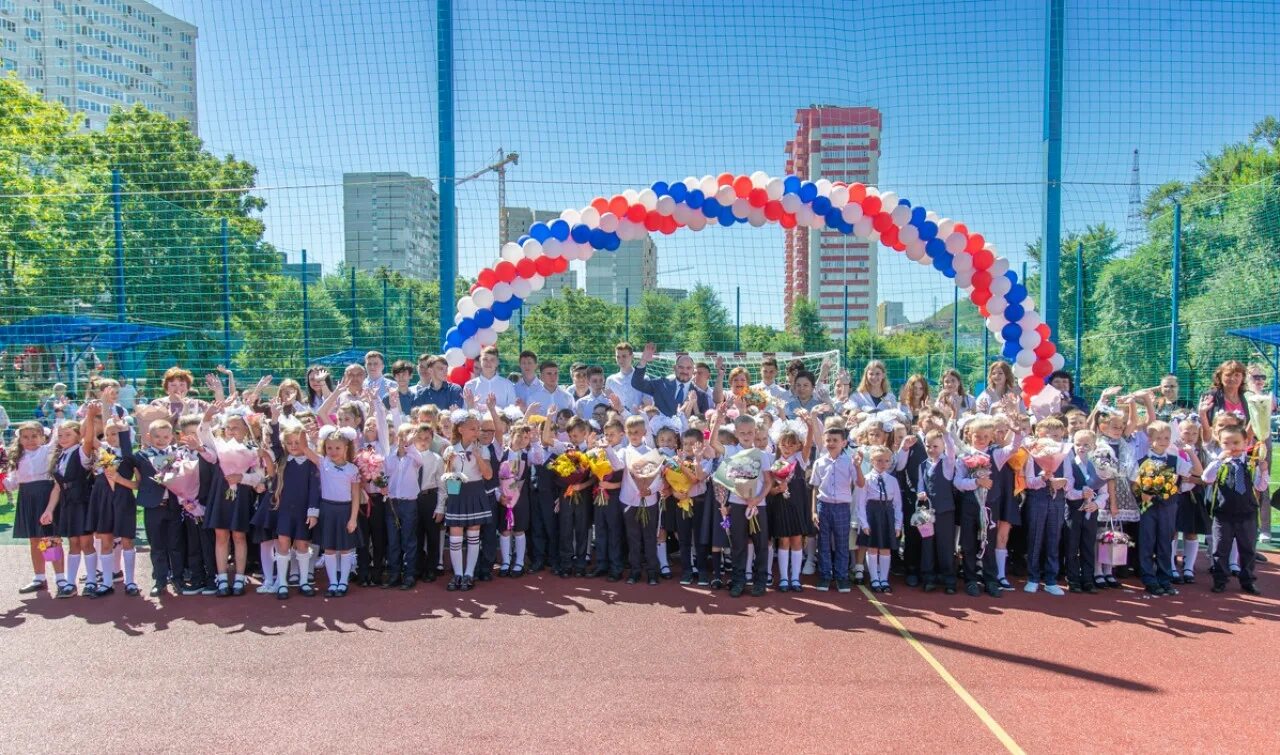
(663, 392)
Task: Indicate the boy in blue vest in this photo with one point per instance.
(1234, 483)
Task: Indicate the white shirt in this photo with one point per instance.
(871, 492)
(834, 478)
(497, 386)
(382, 385)
(550, 401)
(619, 383)
(524, 388)
(865, 401)
(336, 482)
(33, 466)
(587, 404)
(766, 461)
(402, 473)
(629, 494)
(464, 461)
(774, 390)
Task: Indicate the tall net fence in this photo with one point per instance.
(315, 126)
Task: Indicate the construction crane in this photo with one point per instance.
(499, 167)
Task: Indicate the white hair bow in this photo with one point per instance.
(346, 433)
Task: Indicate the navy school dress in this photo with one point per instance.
(223, 513)
(71, 519)
(33, 499)
(520, 512)
(880, 517)
(299, 491)
(1004, 505)
(332, 532)
(789, 515)
(115, 511)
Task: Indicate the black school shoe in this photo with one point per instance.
(1074, 587)
(1221, 587)
(736, 590)
(993, 589)
(913, 580)
(1090, 588)
(600, 571)
(950, 589)
(468, 583)
(688, 578)
(408, 583)
(930, 585)
(35, 585)
(1250, 588)
(1169, 589)
(613, 576)
(633, 578)
(758, 589)
(653, 578)
(455, 584)
(972, 589)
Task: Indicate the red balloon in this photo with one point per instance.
(889, 236)
(980, 296)
(652, 221)
(983, 259)
(561, 264)
(600, 204)
(773, 210)
(963, 229)
(742, 186)
(505, 271)
(526, 268)
(667, 224)
(881, 222)
(981, 280)
(758, 197)
(1041, 368)
(545, 265)
(982, 310)
(857, 192)
(787, 220)
(974, 245)
(725, 179)
(870, 206)
(636, 212)
(1031, 385)
(1043, 330)
(1045, 350)
(486, 278)
(619, 205)
(460, 375)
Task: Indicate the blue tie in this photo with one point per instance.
(679, 393)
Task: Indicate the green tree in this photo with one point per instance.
(574, 326)
(654, 321)
(807, 326)
(703, 322)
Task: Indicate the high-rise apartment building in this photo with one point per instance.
(392, 221)
(839, 144)
(93, 55)
(624, 274)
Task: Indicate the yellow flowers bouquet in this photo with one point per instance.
(753, 397)
(680, 477)
(1155, 480)
(601, 467)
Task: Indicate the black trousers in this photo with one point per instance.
(642, 537)
(575, 525)
(197, 543)
(911, 543)
(938, 556)
(402, 537)
(971, 544)
(544, 531)
(488, 546)
(1082, 544)
(740, 536)
(609, 535)
(371, 550)
(163, 525)
(696, 556)
(1241, 532)
(428, 533)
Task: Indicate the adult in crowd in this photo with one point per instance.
(619, 383)
(490, 383)
(768, 381)
(667, 393)
(527, 380)
(57, 406)
(374, 366)
(176, 385)
(433, 386)
(1063, 382)
(548, 396)
(319, 386)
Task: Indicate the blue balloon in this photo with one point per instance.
(695, 199)
(560, 229)
(935, 248)
(581, 233)
(727, 217)
(483, 318)
(1011, 332)
(613, 243)
(1017, 294)
(791, 185)
(917, 216)
(501, 310)
(942, 262)
(1014, 312)
(679, 191)
(515, 303)
(540, 232)
(821, 205)
(834, 218)
(904, 202)
(928, 230)
(660, 188)
(1010, 350)
(598, 238)
(711, 207)
(467, 328)
(808, 190)
(453, 338)
(1012, 276)
(523, 238)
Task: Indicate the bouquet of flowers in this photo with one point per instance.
(1112, 546)
(781, 472)
(645, 469)
(601, 467)
(4, 467)
(105, 459)
(1104, 462)
(373, 468)
(235, 458)
(923, 520)
(182, 478)
(1258, 406)
(979, 466)
(753, 397)
(572, 468)
(1155, 480)
(679, 474)
(740, 475)
(50, 549)
(1048, 453)
(510, 480)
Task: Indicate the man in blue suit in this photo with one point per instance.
(668, 393)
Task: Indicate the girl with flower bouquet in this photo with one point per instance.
(1192, 519)
(790, 500)
(511, 512)
(1157, 480)
(1046, 505)
(68, 508)
(112, 508)
(742, 473)
(296, 499)
(29, 476)
(609, 528)
(666, 439)
(976, 478)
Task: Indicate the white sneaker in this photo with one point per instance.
(1031, 587)
(267, 588)
(1053, 589)
(809, 568)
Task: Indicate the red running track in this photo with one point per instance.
(543, 664)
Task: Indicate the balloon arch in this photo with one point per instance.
(726, 200)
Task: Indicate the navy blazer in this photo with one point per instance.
(663, 392)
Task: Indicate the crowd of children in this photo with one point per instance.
(753, 486)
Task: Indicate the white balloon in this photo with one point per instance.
(1030, 320)
(458, 317)
(964, 278)
(487, 336)
(500, 326)
(1026, 357)
(946, 228)
(666, 205)
(824, 187)
(962, 262)
(466, 306)
(1020, 372)
(536, 282)
(817, 221)
(909, 234)
(914, 251)
(839, 196)
(454, 357)
(756, 217)
(1000, 286)
(889, 199)
(471, 348)
(631, 195)
(521, 287)
(759, 179)
(690, 183)
(531, 249)
(571, 216)
(551, 250)
(1057, 361)
(697, 222)
(862, 229)
(591, 217)
(587, 253)
(774, 188)
(999, 268)
(501, 291)
(932, 217)
(997, 304)
(955, 241)
(572, 252)
(996, 323)
(511, 252)
(873, 191)
(708, 185)
(901, 217)
(608, 222)
(852, 213)
(482, 298)
(725, 195)
(648, 199)
(804, 216)
(741, 208)
(1029, 340)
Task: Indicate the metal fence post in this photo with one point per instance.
(353, 307)
(1176, 278)
(386, 319)
(448, 210)
(955, 328)
(1079, 307)
(306, 315)
(226, 294)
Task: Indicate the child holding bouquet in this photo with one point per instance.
(937, 493)
(975, 480)
(608, 504)
(1086, 495)
(1235, 481)
(573, 507)
(512, 512)
(1157, 479)
(228, 503)
(112, 509)
(30, 477)
(741, 473)
(790, 503)
(639, 498)
(693, 469)
(1046, 505)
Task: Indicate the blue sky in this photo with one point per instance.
(602, 96)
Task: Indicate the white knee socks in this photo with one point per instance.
(104, 561)
(345, 562)
(873, 567)
(504, 543)
(130, 563)
(281, 562)
(1190, 550)
(73, 566)
(331, 568)
(91, 568)
(455, 554)
(662, 555)
(303, 560)
(267, 552)
(1002, 555)
(784, 566)
(797, 558)
(473, 553)
(520, 546)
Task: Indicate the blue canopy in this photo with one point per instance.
(342, 358)
(78, 330)
(1268, 334)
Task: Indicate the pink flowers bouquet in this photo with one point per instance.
(781, 472)
(182, 478)
(373, 468)
(510, 475)
(1048, 453)
(1113, 545)
(235, 458)
(51, 549)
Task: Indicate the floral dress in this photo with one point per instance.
(1126, 504)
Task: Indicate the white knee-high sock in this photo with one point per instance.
(303, 561)
(345, 562)
(1173, 556)
(267, 552)
(73, 567)
(662, 556)
(884, 566)
(1190, 550)
(504, 543)
(281, 561)
(1002, 555)
(873, 567)
(473, 553)
(1097, 568)
(797, 559)
(455, 554)
(751, 556)
(91, 567)
(117, 553)
(331, 568)
(520, 546)
(130, 558)
(104, 561)
(784, 565)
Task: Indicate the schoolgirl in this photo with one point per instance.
(879, 502)
(29, 457)
(296, 500)
(230, 499)
(466, 462)
(112, 507)
(340, 492)
(790, 503)
(511, 514)
(69, 506)
(1193, 512)
(873, 392)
